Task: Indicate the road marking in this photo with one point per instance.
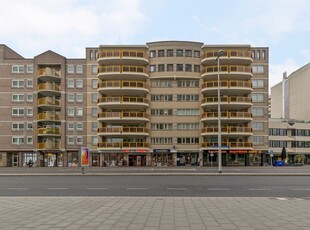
(218, 189)
(136, 188)
(18, 188)
(259, 189)
(97, 188)
(57, 188)
(181, 189)
(281, 198)
(300, 189)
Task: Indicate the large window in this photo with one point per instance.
(79, 84)
(18, 84)
(188, 126)
(277, 132)
(79, 69)
(258, 140)
(18, 69)
(161, 140)
(258, 83)
(18, 112)
(188, 97)
(258, 111)
(188, 83)
(18, 126)
(18, 97)
(188, 140)
(258, 69)
(158, 97)
(188, 112)
(169, 53)
(162, 84)
(161, 112)
(300, 132)
(70, 69)
(257, 97)
(161, 126)
(277, 144)
(179, 53)
(18, 140)
(258, 126)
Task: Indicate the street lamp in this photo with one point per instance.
(219, 54)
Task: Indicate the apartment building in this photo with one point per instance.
(142, 105)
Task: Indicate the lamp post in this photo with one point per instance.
(219, 141)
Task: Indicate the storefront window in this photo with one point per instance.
(29, 157)
(162, 159)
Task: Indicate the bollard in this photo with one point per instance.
(83, 170)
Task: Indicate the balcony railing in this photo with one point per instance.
(123, 145)
(122, 69)
(123, 99)
(227, 53)
(49, 86)
(48, 145)
(227, 129)
(48, 101)
(122, 84)
(122, 53)
(230, 99)
(49, 72)
(227, 69)
(123, 130)
(227, 115)
(227, 84)
(49, 131)
(123, 115)
(48, 116)
(227, 145)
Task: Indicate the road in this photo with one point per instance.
(176, 186)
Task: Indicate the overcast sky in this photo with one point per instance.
(31, 27)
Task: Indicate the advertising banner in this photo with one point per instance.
(84, 157)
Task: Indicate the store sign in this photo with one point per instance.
(84, 156)
(161, 150)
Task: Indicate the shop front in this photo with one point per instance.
(52, 159)
(163, 157)
(187, 158)
(113, 159)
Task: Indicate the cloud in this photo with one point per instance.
(68, 26)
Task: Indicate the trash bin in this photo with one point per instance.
(279, 163)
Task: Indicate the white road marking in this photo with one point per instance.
(18, 188)
(218, 189)
(57, 188)
(177, 189)
(97, 188)
(259, 189)
(136, 188)
(301, 189)
(281, 198)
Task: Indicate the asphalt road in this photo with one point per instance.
(177, 186)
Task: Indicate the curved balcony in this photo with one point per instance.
(123, 117)
(48, 116)
(123, 87)
(123, 101)
(233, 87)
(227, 103)
(111, 131)
(120, 72)
(122, 57)
(227, 131)
(227, 72)
(234, 57)
(122, 145)
(48, 102)
(49, 145)
(48, 74)
(48, 131)
(231, 117)
(227, 145)
(49, 89)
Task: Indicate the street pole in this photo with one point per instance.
(219, 54)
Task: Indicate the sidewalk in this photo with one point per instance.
(123, 171)
(154, 213)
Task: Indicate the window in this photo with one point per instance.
(159, 97)
(79, 140)
(94, 83)
(278, 144)
(253, 54)
(162, 84)
(188, 53)
(79, 97)
(94, 126)
(161, 126)
(161, 53)
(257, 83)
(79, 126)
(188, 126)
(29, 140)
(70, 83)
(29, 126)
(18, 140)
(197, 68)
(257, 97)
(257, 55)
(94, 97)
(258, 140)
(188, 97)
(258, 112)
(70, 112)
(70, 97)
(79, 112)
(29, 83)
(152, 68)
(179, 53)
(179, 67)
(188, 140)
(70, 126)
(91, 55)
(94, 140)
(79, 84)
(169, 53)
(161, 140)
(94, 112)
(263, 54)
(257, 126)
(278, 132)
(161, 112)
(152, 53)
(187, 112)
(18, 83)
(70, 140)
(29, 97)
(29, 69)
(258, 69)
(188, 68)
(18, 69)
(18, 112)
(94, 69)
(79, 69)
(161, 68)
(169, 67)
(18, 126)
(196, 53)
(29, 112)
(188, 83)
(18, 97)
(70, 69)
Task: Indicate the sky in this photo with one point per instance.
(67, 27)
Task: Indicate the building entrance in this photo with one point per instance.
(137, 160)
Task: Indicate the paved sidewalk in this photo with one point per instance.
(123, 171)
(150, 213)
